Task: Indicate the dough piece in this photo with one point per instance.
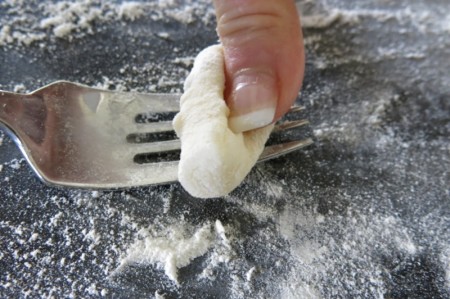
(214, 159)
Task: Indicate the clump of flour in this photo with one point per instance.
(173, 247)
(69, 19)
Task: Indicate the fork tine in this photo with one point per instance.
(154, 147)
(171, 102)
(274, 151)
(134, 103)
(295, 109)
(170, 145)
(290, 125)
(159, 127)
(166, 126)
(156, 127)
(270, 152)
(150, 174)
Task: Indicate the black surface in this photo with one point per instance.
(366, 208)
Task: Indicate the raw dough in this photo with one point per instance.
(214, 159)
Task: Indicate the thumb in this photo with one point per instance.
(264, 59)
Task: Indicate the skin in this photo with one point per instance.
(263, 36)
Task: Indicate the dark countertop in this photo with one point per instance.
(363, 213)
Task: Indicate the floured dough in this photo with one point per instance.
(214, 159)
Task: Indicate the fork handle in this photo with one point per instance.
(10, 107)
(23, 114)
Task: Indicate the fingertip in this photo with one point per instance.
(263, 40)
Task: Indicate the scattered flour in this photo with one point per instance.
(15, 163)
(250, 273)
(328, 18)
(169, 249)
(184, 61)
(65, 17)
(159, 296)
(74, 19)
(5, 35)
(319, 255)
(20, 88)
(163, 35)
(445, 259)
(131, 10)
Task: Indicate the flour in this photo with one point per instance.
(361, 214)
(20, 88)
(15, 163)
(328, 15)
(171, 249)
(65, 17)
(327, 19)
(184, 61)
(158, 295)
(214, 160)
(130, 10)
(445, 259)
(5, 35)
(69, 20)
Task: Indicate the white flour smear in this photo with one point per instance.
(170, 249)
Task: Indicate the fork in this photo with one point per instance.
(77, 136)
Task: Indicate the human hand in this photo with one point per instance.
(264, 59)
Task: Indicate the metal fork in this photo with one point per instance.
(78, 136)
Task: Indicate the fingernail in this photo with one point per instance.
(253, 101)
